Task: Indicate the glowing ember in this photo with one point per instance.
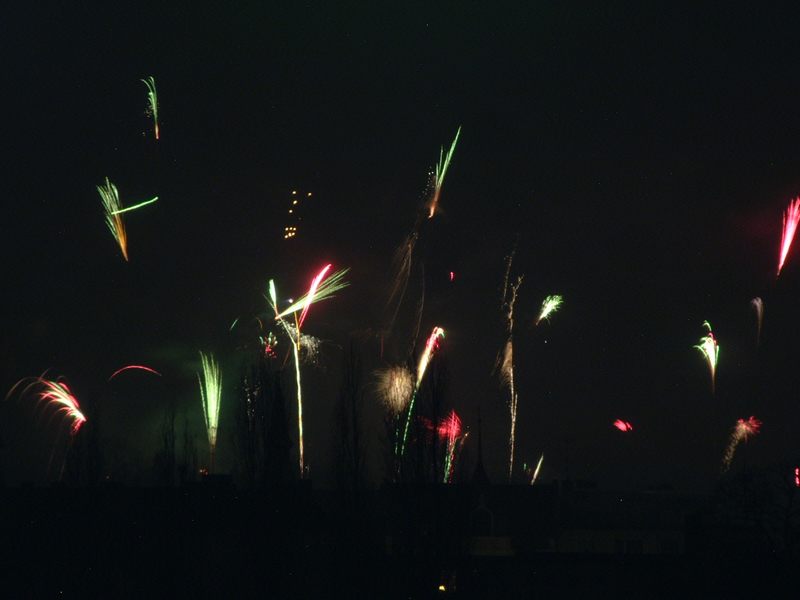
(623, 425)
(710, 350)
(139, 367)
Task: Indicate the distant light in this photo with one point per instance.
(294, 192)
(294, 201)
(308, 195)
(290, 211)
(442, 588)
(797, 477)
(452, 275)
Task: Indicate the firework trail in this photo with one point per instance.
(791, 216)
(140, 367)
(427, 354)
(449, 429)
(211, 396)
(509, 298)
(550, 305)
(744, 428)
(152, 100)
(537, 469)
(135, 206)
(710, 350)
(395, 385)
(758, 306)
(321, 288)
(441, 171)
(110, 198)
(55, 394)
(624, 426)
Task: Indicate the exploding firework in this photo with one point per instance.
(710, 350)
(152, 102)
(550, 305)
(321, 288)
(449, 429)
(138, 367)
(110, 197)
(744, 429)
(57, 396)
(791, 216)
(624, 426)
(441, 171)
(395, 385)
(758, 306)
(427, 355)
(211, 395)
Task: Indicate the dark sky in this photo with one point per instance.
(641, 158)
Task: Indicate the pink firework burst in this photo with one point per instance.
(791, 216)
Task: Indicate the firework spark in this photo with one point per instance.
(211, 396)
(135, 206)
(395, 385)
(537, 469)
(758, 306)
(710, 350)
(550, 305)
(623, 425)
(139, 367)
(441, 171)
(791, 216)
(110, 197)
(56, 394)
(744, 429)
(152, 100)
(427, 355)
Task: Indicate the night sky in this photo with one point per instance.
(639, 159)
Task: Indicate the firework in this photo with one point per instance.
(152, 100)
(623, 425)
(395, 385)
(110, 197)
(537, 469)
(791, 216)
(710, 350)
(54, 394)
(509, 299)
(449, 429)
(452, 276)
(211, 396)
(139, 367)
(758, 306)
(321, 289)
(135, 206)
(744, 429)
(441, 171)
(427, 354)
(550, 305)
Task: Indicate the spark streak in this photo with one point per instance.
(152, 99)
(135, 206)
(550, 305)
(758, 306)
(441, 171)
(319, 291)
(509, 298)
(710, 350)
(427, 354)
(791, 216)
(211, 396)
(536, 470)
(140, 367)
(744, 428)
